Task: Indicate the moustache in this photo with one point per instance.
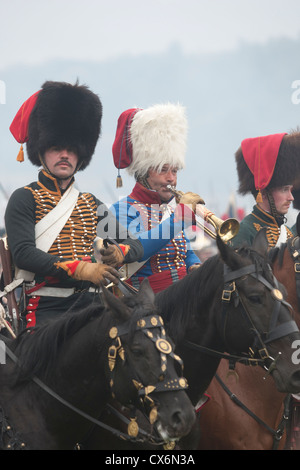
(65, 162)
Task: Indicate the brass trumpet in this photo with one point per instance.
(226, 229)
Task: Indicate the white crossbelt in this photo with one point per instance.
(48, 228)
(283, 236)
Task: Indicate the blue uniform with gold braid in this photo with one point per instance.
(166, 246)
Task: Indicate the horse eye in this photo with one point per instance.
(254, 298)
(137, 351)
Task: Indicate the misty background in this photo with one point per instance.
(234, 65)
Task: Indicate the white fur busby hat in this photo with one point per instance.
(150, 138)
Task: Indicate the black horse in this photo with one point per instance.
(58, 378)
(231, 304)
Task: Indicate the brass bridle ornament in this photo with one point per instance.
(146, 325)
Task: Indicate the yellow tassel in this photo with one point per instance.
(119, 181)
(20, 157)
(259, 197)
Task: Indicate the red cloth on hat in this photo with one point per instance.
(19, 126)
(122, 148)
(260, 154)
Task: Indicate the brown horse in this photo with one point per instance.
(246, 411)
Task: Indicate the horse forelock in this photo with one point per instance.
(139, 310)
(261, 263)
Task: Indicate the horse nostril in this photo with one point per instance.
(178, 419)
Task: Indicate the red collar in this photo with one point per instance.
(144, 195)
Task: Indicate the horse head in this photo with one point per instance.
(142, 367)
(256, 319)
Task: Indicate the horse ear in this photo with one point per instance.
(113, 303)
(260, 242)
(145, 292)
(228, 254)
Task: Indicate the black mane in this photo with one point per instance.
(195, 291)
(37, 349)
(192, 293)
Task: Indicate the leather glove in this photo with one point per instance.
(96, 273)
(112, 256)
(192, 199)
(194, 267)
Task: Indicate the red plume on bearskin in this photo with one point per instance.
(60, 115)
(285, 169)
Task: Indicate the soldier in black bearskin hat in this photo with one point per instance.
(50, 226)
(267, 167)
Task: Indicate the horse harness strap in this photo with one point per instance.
(275, 332)
(277, 434)
(10, 439)
(229, 293)
(247, 361)
(295, 254)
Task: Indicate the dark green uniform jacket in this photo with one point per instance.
(30, 204)
(253, 222)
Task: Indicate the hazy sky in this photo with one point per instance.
(32, 31)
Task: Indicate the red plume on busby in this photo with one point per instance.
(60, 115)
(268, 162)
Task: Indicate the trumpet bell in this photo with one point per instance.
(228, 229)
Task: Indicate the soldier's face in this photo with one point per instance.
(159, 181)
(61, 163)
(283, 198)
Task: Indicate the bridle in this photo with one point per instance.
(258, 352)
(145, 325)
(294, 249)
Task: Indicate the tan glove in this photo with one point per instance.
(96, 273)
(192, 199)
(194, 267)
(112, 256)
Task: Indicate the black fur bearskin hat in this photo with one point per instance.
(64, 116)
(273, 165)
